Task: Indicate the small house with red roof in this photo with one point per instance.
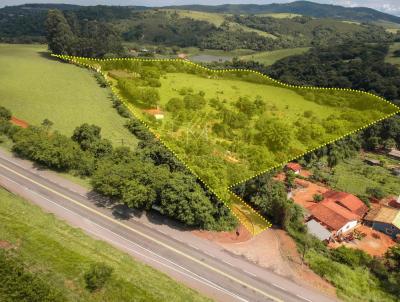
(338, 212)
(295, 167)
(157, 113)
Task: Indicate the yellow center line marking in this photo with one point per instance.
(146, 236)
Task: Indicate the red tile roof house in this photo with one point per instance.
(339, 212)
(157, 113)
(295, 167)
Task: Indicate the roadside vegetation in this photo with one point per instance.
(225, 125)
(141, 179)
(35, 87)
(42, 259)
(355, 274)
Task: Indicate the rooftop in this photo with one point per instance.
(348, 201)
(294, 166)
(387, 215)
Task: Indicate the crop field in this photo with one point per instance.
(35, 87)
(229, 126)
(63, 253)
(390, 58)
(217, 19)
(270, 57)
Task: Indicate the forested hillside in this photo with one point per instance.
(83, 26)
(306, 8)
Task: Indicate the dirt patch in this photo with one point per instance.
(19, 122)
(5, 245)
(374, 243)
(273, 249)
(241, 234)
(303, 194)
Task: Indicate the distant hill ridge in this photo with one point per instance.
(306, 8)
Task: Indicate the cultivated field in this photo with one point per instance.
(35, 87)
(390, 58)
(270, 57)
(63, 254)
(229, 126)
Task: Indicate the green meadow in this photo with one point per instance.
(229, 126)
(270, 57)
(62, 254)
(35, 86)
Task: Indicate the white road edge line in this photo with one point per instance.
(251, 274)
(278, 286)
(195, 277)
(303, 298)
(220, 272)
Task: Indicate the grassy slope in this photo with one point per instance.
(64, 253)
(217, 20)
(270, 57)
(353, 285)
(35, 87)
(390, 58)
(355, 176)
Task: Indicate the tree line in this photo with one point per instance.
(148, 177)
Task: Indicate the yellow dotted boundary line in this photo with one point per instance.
(126, 103)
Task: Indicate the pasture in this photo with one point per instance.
(270, 57)
(63, 254)
(229, 126)
(390, 58)
(35, 86)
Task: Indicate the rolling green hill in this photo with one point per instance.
(305, 8)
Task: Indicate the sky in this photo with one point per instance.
(388, 6)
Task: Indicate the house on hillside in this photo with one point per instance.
(372, 162)
(338, 213)
(157, 113)
(394, 153)
(386, 220)
(295, 167)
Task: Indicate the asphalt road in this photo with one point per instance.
(215, 276)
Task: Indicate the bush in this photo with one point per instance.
(318, 197)
(375, 192)
(5, 114)
(18, 283)
(97, 275)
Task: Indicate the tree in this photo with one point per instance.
(59, 35)
(273, 132)
(47, 124)
(5, 114)
(175, 104)
(375, 192)
(97, 275)
(85, 135)
(136, 195)
(318, 197)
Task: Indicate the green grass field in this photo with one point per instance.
(63, 254)
(217, 19)
(231, 126)
(270, 57)
(390, 58)
(34, 87)
(355, 176)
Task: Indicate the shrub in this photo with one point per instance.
(5, 114)
(97, 275)
(318, 197)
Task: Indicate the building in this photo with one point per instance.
(385, 220)
(372, 162)
(348, 201)
(157, 113)
(394, 153)
(319, 231)
(295, 167)
(338, 213)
